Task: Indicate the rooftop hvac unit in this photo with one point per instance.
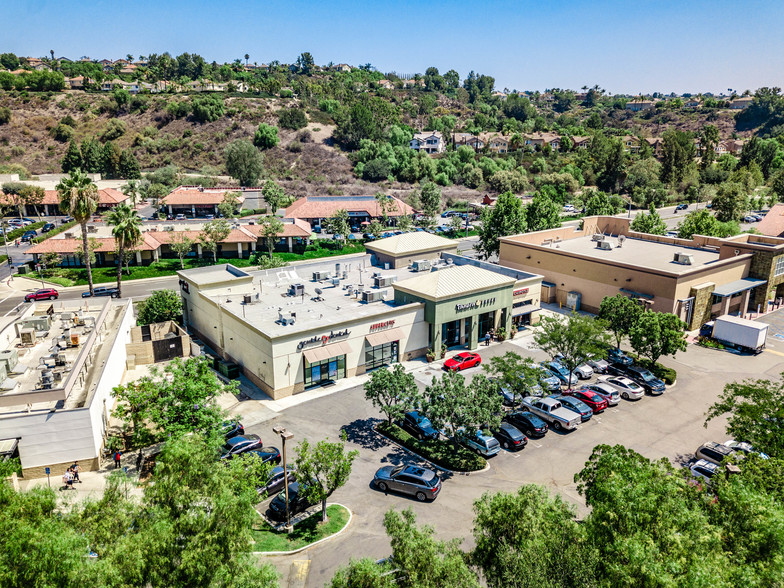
(318, 276)
(372, 296)
(60, 359)
(287, 319)
(169, 228)
(247, 298)
(597, 237)
(605, 245)
(421, 265)
(384, 281)
(9, 359)
(37, 323)
(74, 339)
(336, 282)
(3, 373)
(683, 258)
(297, 290)
(27, 336)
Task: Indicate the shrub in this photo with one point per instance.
(286, 94)
(68, 120)
(328, 105)
(295, 147)
(207, 108)
(5, 115)
(266, 136)
(440, 452)
(114, 130)
(62, 133)
(292, 118)
(162, 305)
(376, 170)
(178, 109)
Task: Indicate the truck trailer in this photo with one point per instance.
(737, 333)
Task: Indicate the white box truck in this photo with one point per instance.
(740, 333)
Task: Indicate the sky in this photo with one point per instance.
(640, 46)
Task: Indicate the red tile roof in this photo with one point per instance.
(326, 206)
(70, 246)
(773, 223)
(295, 227)
(185, 196)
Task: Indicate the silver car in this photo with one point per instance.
(606, 391)
(419, 482)
(584, 371)
(598, 364)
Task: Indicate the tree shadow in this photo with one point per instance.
(361, 432)
(684, 459)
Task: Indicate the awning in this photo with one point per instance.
(375, 339)
(524, 310)
(8, 446)
(636, 294)
(737, 286)
(327, 351)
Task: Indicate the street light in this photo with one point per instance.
(285, 436)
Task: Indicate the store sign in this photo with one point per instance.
(520, 292)
(324, 339)
(474, 305)
(381, 326)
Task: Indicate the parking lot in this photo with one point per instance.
(668, 426)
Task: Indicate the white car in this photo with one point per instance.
(628, 389)
(584, 371)
(704, 469)
(180, 217)
(744, 447)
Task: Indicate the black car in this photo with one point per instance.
(297, 503)
(266, 454)
(528, 423)
(276, 480)
(232, 429)
(650, 383)
(240, 444)
(103, 291)
(418, 425)
(47, 227)
(681, 207)
(510, 437)
(29, 236)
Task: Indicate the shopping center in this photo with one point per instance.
(292, 329)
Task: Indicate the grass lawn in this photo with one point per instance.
(315, 250)
(308, 531)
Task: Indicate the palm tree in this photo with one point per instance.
(127, 233)
(79, 199)
(131, 190)
(246, 59)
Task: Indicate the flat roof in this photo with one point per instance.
(639, 252)
(418, 242)
(452, 281)
(213, 274)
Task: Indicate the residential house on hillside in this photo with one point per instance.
(639, 104)
(344, 67)
(386, 84)
(741, 103)
(693, 103)
(36, 63)
(631, 144)
(580, 142)
(428, 141)
(735, 146)
(538, 140)
(657, 145)
(498, 143)
(476, 143)
(76, 83)
(499, 94)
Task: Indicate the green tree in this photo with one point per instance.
(375, 228)
(273, 195)
(386, 204)
(392, 391)
(266, 136)
(212, 234)
(678, 153)
(709, 139)
(92, 156)
(650, 223)
(230, 204)
(730, 202)
(364, 573)
(755, 410)
(777, 184)
(531, 538)
(134, 403)
(129, 166)
(461, 409)
(110, 154)
(305, 63)
(126, 229)
(598, 203)
(542, 213)
(33, 196)
(658, 333)
(322, 469)
(159, 307)
(181, 245)
(338, 225)
(132, 190)
(430, 196)
(244, 162)
(405, 223)
(514, 372)
(702, 222)
(576, 338)
(292, 118)
(79, 199)
(507, 217)
(620, 313)
(207, 108)
(271, 228)
(9, 61)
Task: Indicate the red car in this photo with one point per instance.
(462, 361)
(42, 294)
(595, 401)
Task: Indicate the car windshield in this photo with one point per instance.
(424, 422)
(646, 375)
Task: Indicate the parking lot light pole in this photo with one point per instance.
(285, 436)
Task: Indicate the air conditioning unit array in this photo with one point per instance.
(380, 281)
(318, 276)
(373, 295)
(604, 245)
(422, 265)
(683, 258)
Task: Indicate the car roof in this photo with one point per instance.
(419, 472)
(704, 463)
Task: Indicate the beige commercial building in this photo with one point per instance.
(405, 249)
(695, 279)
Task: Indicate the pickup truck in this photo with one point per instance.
(552, 411)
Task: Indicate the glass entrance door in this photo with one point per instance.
(450, 333)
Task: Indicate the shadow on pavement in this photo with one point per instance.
(361, 432)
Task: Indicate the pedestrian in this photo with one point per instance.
(487, 339)
(492, 333)
(75, 471)
(68, 479)
(117, 456)
(17, 242)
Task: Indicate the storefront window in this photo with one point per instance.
(450, 333)
(486, 323)
(327, 370)
(381, 355)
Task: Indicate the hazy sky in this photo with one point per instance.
(625, 47)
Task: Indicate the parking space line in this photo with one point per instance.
(537, 444)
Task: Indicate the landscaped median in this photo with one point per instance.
(268, 540)
(442, 453)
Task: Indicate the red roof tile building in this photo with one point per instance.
(50, 206)
(315, 209)
(195, 200)
(772, 224)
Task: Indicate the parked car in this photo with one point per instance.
(615, 355)
(420, 482)
(42, 294)
(209, 217)
(606, 391)
(484, 445)
(232, 429)
(462, 361)
(180, 217)
(628, 389)
(704, 469)
(598, 364)
(276, 479)
(418, 425)
(747, 448)
(596, 402)
(69, 219)
(29, 236)
(240, 444)
(681, 207)
(534, 390)
(714, 452)
(553, 411)
(575, 405)
(548, 381)
(510, 437)
(560, 372)
(316, 228)
(47, 227)
(584, 371)
(297, 503)
(266, 454)
(103, 291)
(749, 218)
(509, 397)
(644, 378)
(528, 423)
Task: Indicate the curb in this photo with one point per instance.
(350, 518)
(437, 467)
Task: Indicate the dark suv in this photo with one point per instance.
(103, 291)
(644, 378)
(418, 425)
(42, 294)
(419, 482)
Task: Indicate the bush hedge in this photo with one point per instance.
(55, 231)
(17, 233)
(440, 452)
